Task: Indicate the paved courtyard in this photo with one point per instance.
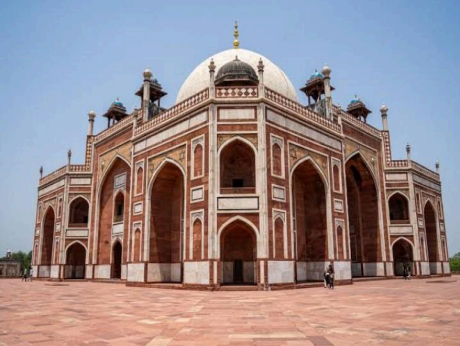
(387, 312)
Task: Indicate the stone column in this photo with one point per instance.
(384, 111)
(146, 95)
(327, 90)
(91, 117)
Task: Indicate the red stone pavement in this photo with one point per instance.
(385, 312)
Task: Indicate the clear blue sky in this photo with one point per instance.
(59, 59)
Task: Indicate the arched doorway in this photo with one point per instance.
(47, 241)
(166, 224)
(238, 254)
(75, 261)
(398, 206)
(432, 238)
(113, 196)
(310, 221)
(78, 212)
(402, 255)
(363, 218)
(116, 260)
(237, 168)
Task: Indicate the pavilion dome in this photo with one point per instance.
(317, 74)
(356, 99)
(236, 71)
(274, 78)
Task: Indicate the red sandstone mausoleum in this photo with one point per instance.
(238, 183)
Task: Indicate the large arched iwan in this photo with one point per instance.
(363, 217)
(107, 213)
(309, 207)
(431, 237)
(48, 234)
(166, 220)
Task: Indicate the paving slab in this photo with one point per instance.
(384, 312)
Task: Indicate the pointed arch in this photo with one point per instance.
(78, 211)
(75, 264)
(117, 167)
(237, 166)
(311, 218)
(237, 239)
(364, 214)
(117, 255)
(165, 221)
(398, 206)
(403, 255)
(47, 236)
(432, 236)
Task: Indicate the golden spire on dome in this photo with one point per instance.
(236, 42)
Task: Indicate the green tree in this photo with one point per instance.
(455, 263)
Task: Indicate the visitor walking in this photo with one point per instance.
(31, 274)
(326, 278)
(404, 271)
(330, 271)
(25, 274)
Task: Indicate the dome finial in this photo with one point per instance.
(236, 42)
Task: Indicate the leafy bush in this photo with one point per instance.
(455, 263)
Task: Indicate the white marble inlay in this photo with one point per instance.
(117, 228)
(426, 182)
(52, 187)
(77, 233)
(172, 131)
(120, 180)
(237, 114)
(338, 205)
(234, 203)
(197, 194)
(138, 207)
(304, 130)
(279, 193)
(396, 176)
(403, 229)
(80, 181)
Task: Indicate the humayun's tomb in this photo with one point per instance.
(239, 184)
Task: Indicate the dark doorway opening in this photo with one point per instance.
(116, 261)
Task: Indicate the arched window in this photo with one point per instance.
(197, 239)
(78, 212)
(279, 238)
(340, 253)
(137, 245)
(59, 207)
(139, 181)
(237, 168)
(198, 161)
(39, 212)
(336, 174)
(417, 201)
(399, 210)
(277, 169)
(119, 207)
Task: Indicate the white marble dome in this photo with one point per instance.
(274, 77)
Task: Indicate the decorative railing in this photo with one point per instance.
(424, 170)
(115, 128)
(358, 123)
(237, 92)
(78, 168)
(298, 108)
(174, 111)
(397, 164)
(53, 175)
